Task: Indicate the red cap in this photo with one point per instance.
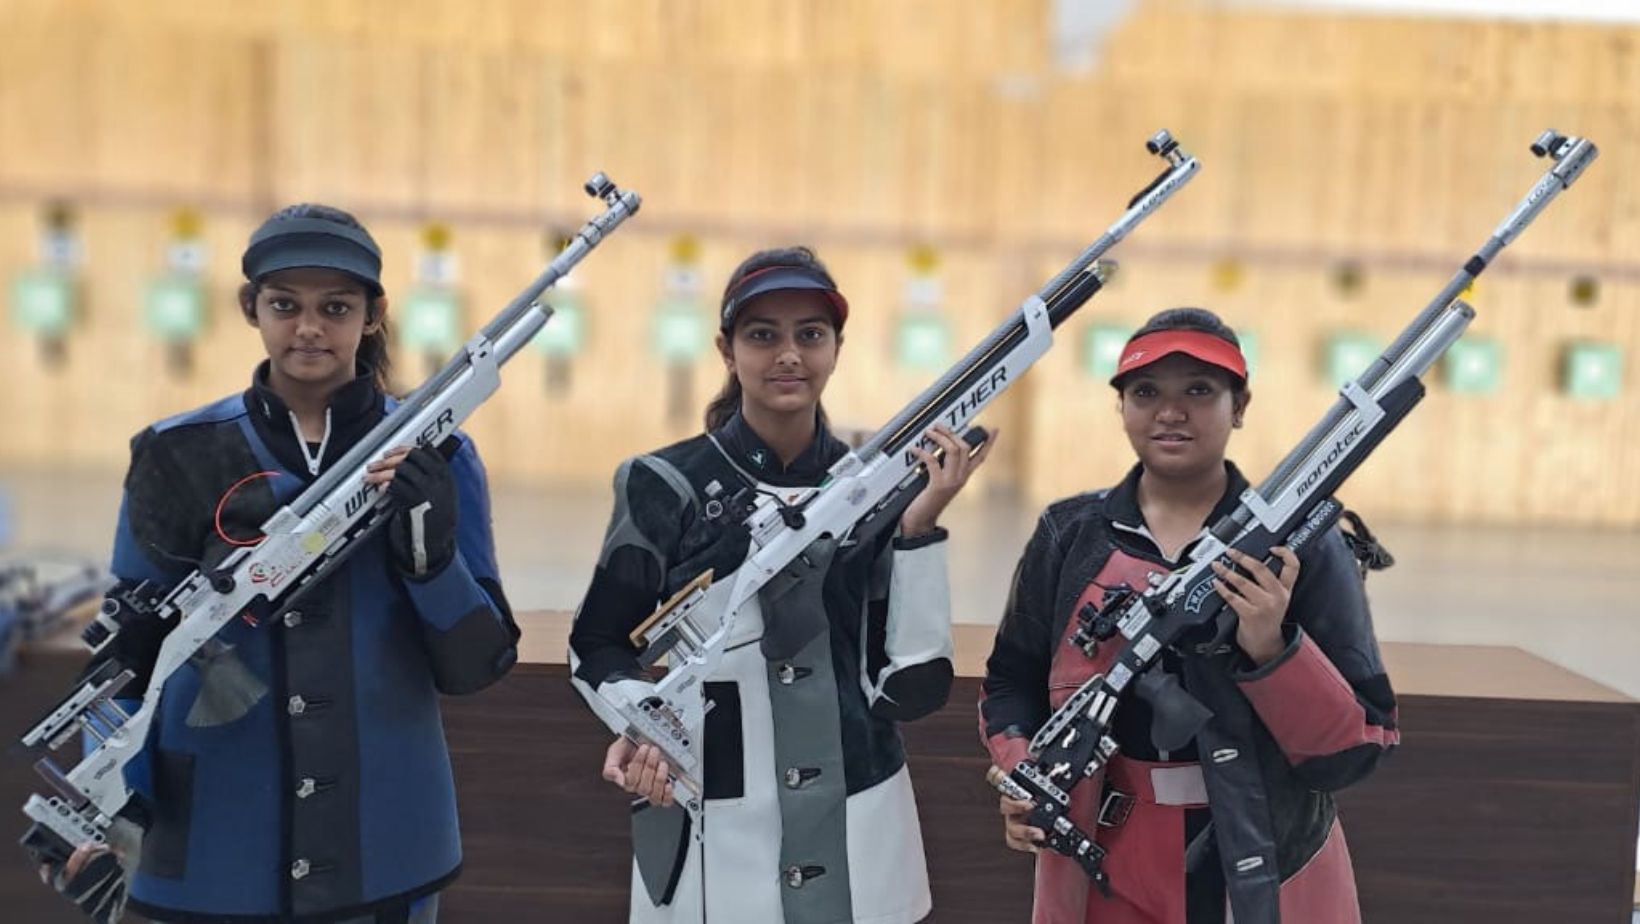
(1213, 350)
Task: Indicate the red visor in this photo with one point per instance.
(1215, 351)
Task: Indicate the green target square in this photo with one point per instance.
(1102, 349)
(174, 308)
(431, 320)
(42, 302)
(924, 341)
(1348, 355)
(565, 332)
(680, 330)
(1473, 366)
(1592, 371)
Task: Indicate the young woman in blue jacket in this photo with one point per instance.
(302, 774)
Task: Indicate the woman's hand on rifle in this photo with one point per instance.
(422, 485)
(1019, 835)
(1260, 599)
(946, 476)
(639, 769)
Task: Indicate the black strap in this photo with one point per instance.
(1370, 554)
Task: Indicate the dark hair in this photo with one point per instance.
(373, 353)
(1196, 319)
(727, 401)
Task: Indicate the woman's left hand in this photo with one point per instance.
(1260, 600)
(422, 533)
(945, 478)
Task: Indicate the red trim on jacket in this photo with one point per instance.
(1308, 706)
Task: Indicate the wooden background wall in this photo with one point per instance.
(865, 128)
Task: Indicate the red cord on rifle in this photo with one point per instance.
(224, 502)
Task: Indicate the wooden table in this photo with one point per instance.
(1515, 797)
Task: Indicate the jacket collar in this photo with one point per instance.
(1122, 504)
(748, 451)
(354, 408)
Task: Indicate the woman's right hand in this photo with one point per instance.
(640, 770)
(1019, 835)
(95, 877)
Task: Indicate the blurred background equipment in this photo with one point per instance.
(923, 343)
(177, 301)
(41, 596)
(430, 325)
(560, 341)
(45, 295)
(682, 332)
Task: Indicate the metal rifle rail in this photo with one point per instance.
(1570, 156)
(698, 624)
(1061, 295)
(1293, 506)
(507, 333)
(302, 542)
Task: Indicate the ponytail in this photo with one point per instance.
(725, 405)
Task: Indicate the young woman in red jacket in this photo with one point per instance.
(1238, 825)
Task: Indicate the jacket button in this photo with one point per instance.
(308, 787)
(795, 876)
(798, 777)
(293, 619)
(300, 869)
(296, 705)
(788, 674)
(1225, 755)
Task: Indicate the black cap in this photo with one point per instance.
(777, 278)
(290, 243)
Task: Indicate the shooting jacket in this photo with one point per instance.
(332, 797)
(809, 809)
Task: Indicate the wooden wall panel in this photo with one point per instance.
(863, 128)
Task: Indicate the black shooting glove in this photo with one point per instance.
(100, 888)
(422, 531)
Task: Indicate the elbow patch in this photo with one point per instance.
(476, 651)
(1332, 772)
(915, 691)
